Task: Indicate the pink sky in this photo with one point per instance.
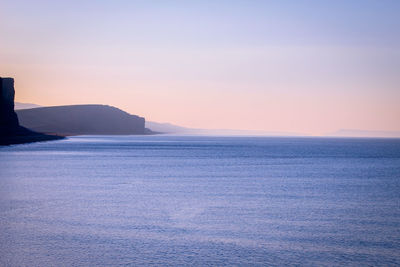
(231, 67)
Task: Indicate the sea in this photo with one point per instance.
(166, 200)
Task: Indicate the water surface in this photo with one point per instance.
(181, 200)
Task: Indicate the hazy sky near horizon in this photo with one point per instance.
(295, 66)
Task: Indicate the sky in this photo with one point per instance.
(309, 67)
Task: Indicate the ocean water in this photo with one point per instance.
(200, 201)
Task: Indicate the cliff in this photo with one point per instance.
(8, 118)
(10, 130)
(82, 120)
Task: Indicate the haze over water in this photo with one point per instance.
(181, 200)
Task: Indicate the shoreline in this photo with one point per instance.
(25, 139)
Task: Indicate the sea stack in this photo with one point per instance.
(10, 130)
(8, 118)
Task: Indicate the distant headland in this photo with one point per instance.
(82, 120)
(54, 123)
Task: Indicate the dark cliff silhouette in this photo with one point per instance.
(8, 118)
(82, 120)
(10, 130)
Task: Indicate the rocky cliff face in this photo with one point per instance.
(8, 117)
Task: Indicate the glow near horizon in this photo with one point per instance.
(294, 66)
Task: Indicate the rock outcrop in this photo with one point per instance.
(10, 130)
(8, 117)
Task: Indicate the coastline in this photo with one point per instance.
(24, 139)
